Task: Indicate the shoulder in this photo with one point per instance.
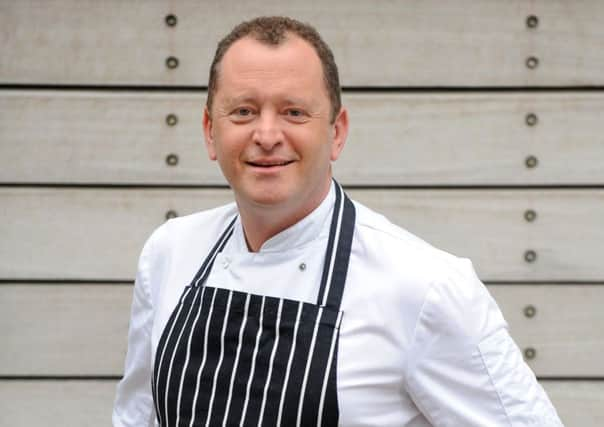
(414, 274)
(203, 222)
(199, 226)
(394, 247)
(439, 292)
(179, 239)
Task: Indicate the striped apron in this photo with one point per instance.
(229, 358)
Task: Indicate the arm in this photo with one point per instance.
(133, 404)
(464, 367)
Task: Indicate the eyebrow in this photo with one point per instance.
(289, 100)
(239, 99)
(297, 101)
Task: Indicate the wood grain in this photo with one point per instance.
(89, 403)
(444, 139)
(97, 233)
(64, 329)
(56, 403)
(81, 329)
(463, 43)
(565, 330)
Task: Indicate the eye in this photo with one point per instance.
(242, 114)
(243, 111)
(296, 114)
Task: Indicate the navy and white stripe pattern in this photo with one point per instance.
(228, 358)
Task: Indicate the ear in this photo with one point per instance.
(208, 134)
(340, 132)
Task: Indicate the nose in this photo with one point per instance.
(267, 133)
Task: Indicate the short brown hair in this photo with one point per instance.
(272, 30)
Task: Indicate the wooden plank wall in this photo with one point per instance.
(476, 124)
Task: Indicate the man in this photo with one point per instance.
(295, 306)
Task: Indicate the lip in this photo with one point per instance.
(269, 164)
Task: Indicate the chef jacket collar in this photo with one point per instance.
(311, 227)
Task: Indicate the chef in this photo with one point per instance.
(295, 306)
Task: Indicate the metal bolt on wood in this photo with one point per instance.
(531, 119)
(530, 353)
(171, 62)
(172, 159)
(532, 62)
(530, 215)
(532, 22)
(530, 311)
(171, 119)
(530, 256)
(531, 162)
(171, 20)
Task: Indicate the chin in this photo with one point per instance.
(269, 199)
(264, 196)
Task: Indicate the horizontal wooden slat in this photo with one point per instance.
(64, 329)
(97, 233)
(433, 43)
(56, 403)
(565, 330)
(395, 139)
(82, 329)
(490, 228)
(89, 403)
(99, 137)
(579, 403)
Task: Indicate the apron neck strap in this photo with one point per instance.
(337, 255)
(203, 273)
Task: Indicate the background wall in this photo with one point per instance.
(476, 124)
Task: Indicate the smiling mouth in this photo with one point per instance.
(270, 164)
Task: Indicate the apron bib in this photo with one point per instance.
(230, 358)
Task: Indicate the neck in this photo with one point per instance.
(261, 222)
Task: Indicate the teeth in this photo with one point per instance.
(270, 164)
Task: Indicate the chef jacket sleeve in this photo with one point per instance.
(133, 404)
(464, 368)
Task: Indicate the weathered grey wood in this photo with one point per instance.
(579, 403)
(100, 137)
(80, 233)
(433, 43)
(395, 139)
(565, 330)
(56, 403)
(86, 233)
(473, 139)
(64, 329)
(89, 403)
(81, 329)
(490, 228)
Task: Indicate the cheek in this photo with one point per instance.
(311, 141)
(229, 143)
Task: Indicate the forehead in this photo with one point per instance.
(291, 65)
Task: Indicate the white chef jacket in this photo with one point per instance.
(422, 342)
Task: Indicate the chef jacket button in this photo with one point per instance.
(302, 266)
(225, 263)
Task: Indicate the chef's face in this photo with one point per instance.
(270, 127)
